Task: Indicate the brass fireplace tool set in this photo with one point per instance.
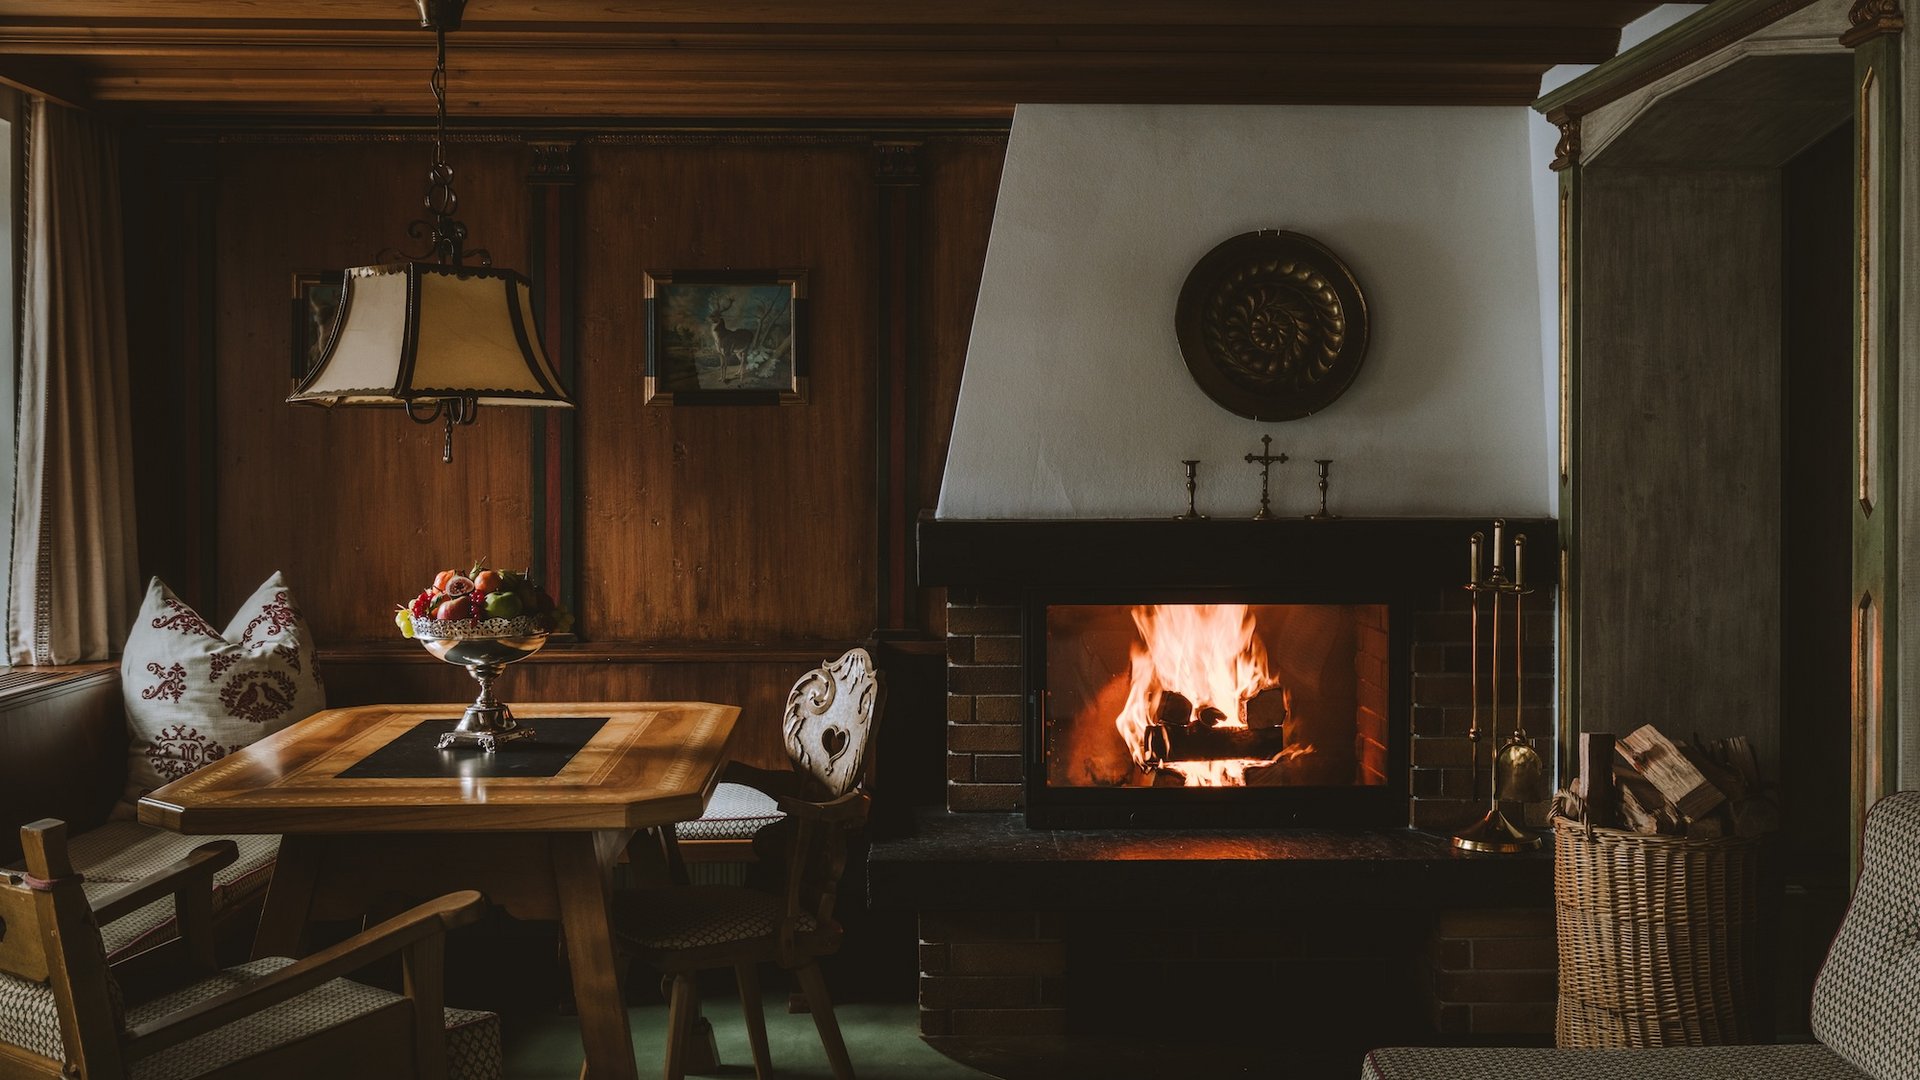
(1519, 775)
(1266, 459)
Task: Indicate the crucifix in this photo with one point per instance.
(1266, 457)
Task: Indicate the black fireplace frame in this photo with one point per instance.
(1358, 806)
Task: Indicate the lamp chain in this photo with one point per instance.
(449, 236)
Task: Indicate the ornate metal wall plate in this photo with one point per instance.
(1272, 325)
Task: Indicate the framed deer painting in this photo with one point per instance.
(726, 337)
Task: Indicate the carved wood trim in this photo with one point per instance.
(1872, 18)
(1641, 66)
(1566, 152)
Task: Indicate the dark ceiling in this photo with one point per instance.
(798, 58)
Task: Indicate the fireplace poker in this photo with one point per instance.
(1518, 773)
(1473, 652)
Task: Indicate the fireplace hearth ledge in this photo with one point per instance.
(989, 862)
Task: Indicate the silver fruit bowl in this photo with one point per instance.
(484, 647)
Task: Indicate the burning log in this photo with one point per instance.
(1218, 743)
(1174, 710)
(1269, 708)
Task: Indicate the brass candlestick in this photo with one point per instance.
(1495, 833)
(1193, 466)
(1266, 457)
(1324, 463)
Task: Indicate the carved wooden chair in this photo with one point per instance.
(63, 1014)
(746, 800)
(684, 929)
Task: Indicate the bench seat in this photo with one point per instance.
(120, 852)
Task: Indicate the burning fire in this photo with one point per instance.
(1195, 669)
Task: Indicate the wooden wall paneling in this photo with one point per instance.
(353, 504)
(962, 182)
(897, 261)
(553, 264)
(758, 685)
(727, 523)
(170, 193)
(1679, 453)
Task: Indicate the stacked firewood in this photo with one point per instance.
(1651, 784)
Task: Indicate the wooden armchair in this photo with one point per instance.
(62, 1013)
(684, 929)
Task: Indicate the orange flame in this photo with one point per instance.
(1211, 655)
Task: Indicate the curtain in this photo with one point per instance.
(73, 571)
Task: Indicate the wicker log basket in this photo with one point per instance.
(1658, 937)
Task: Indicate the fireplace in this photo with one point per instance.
(1212, 707)
(1380, 597)
(1357, 627)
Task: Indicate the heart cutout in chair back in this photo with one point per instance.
(834, 741)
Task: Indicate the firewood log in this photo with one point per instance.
(1212, 743)
(1595, 782)
(1656, 758)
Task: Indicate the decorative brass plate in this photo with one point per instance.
(1272, 325)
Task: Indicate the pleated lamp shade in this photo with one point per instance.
(410, 332)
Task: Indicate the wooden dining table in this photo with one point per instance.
(372, 815)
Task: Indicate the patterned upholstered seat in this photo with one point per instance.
(1808, 1062)
(696, 916)
(63, 1013)
(30, 1019)
(121, 852)
(735, 812)
(1866, 1003)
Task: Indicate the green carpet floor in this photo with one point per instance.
(882, 1039)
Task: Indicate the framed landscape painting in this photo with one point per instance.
(726, 337)
(316, 297)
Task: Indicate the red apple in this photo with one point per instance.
(454, 610)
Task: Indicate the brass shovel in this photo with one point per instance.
(1518, 773)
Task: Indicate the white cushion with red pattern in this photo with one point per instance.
(195, 694)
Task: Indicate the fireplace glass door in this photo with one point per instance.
(1215, 712)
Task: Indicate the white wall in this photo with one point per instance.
(1075, 401)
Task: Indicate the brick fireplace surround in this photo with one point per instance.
(1035, 933)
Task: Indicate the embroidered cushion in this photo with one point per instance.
(195, 694)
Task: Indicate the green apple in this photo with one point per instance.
(503, 605)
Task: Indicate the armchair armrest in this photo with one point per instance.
(422, 923)
(192, 873)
